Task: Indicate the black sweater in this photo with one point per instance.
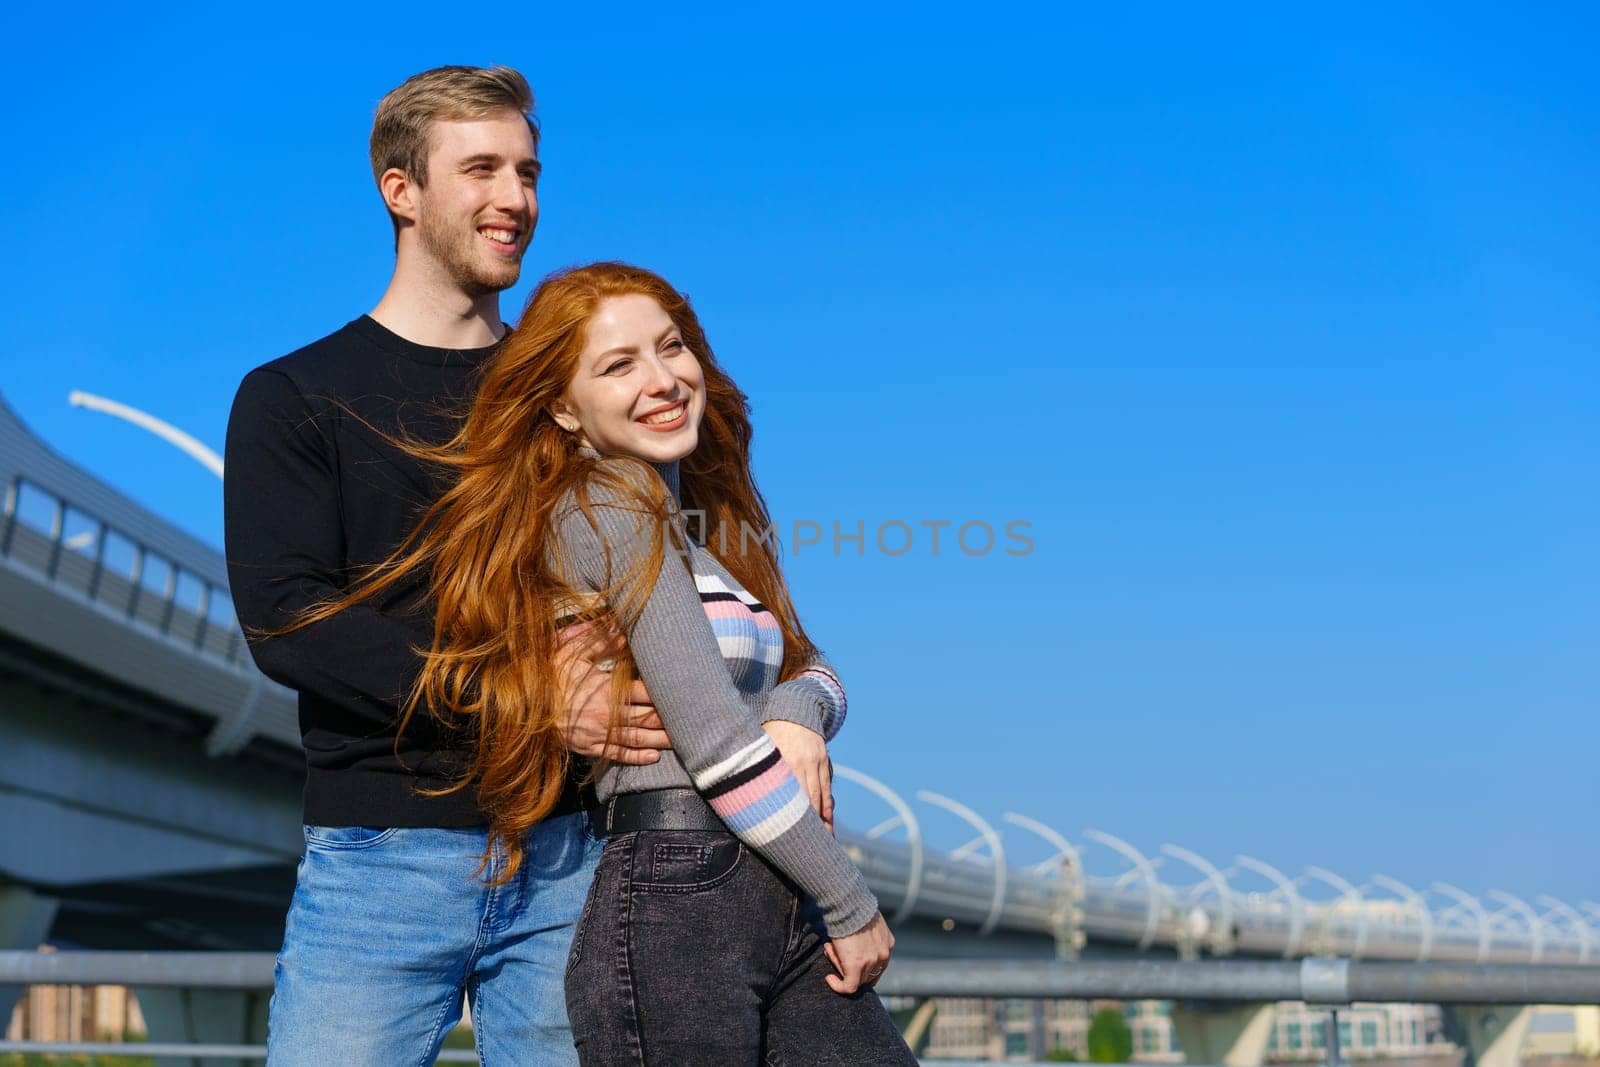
(311, 497)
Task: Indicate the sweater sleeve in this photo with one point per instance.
(730, 759)
(814, 698)
(285, 548)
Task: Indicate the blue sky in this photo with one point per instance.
(1278, 329)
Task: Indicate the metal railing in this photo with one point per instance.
(1330, 983)
(1315, 980)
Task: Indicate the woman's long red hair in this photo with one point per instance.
(496, 567)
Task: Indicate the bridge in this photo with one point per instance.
(152, 801)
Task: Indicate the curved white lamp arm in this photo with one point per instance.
(1297, 906)
(1574, 920)
(904, 816)
(1069, 865)
(169, 433)
(1473, 905)
(1222, 940)
(1152, 913)
(1351, 893)
(1420, 906)
(1529, 916)
(1133, 873)
(1065, 850)
(986, 835)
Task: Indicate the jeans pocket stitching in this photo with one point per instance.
(695, 887)
(313, 837)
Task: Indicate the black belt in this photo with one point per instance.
(656, 809)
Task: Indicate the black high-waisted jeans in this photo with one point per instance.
(693, 951)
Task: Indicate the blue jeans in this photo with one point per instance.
(388, 928)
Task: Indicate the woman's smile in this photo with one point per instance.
(667, 419)
(637, 390)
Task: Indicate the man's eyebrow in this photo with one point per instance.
(491, 157)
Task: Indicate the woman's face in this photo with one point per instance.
(638, 390)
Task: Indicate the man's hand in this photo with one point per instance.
(583, 680)
(806, 753)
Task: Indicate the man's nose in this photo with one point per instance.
(511, 193)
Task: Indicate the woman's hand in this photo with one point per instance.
(861, 957)
(806, 753)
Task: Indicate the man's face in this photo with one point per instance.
(476, 215)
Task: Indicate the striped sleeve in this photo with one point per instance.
(814, 698)
(754, 793)
(715, 735)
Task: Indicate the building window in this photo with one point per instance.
(1369, 1033)
(1295, 1041)
(1319, 1034)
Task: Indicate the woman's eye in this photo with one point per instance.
(674, 344)
(621, 364)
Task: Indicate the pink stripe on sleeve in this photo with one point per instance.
(752, 791)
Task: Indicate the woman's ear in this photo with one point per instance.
(564, 418)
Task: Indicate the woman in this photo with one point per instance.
(601, 419)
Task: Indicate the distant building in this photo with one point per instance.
(1019, 1030)
(1565, 1032)
(75, 1013)
(1366, 1031)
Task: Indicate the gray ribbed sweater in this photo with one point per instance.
(713, 696)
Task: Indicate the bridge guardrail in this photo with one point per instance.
(92, 576)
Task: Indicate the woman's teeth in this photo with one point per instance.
(663, 416)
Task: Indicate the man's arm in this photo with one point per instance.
(285, 546)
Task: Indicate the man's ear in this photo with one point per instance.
(564, 418)
(399, 193)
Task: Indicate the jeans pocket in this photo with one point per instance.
(685, 861)
(344, 838)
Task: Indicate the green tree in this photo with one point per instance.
(1061, 1055)
(1110, 1040)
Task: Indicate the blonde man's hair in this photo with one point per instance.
(405, 116)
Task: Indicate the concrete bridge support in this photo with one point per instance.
(205, 1016)
(1586, 1035)
(1491, 1034)
(25, 919)
(1233, 1035)
(916, 1024)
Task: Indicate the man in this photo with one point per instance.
(394, 916)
